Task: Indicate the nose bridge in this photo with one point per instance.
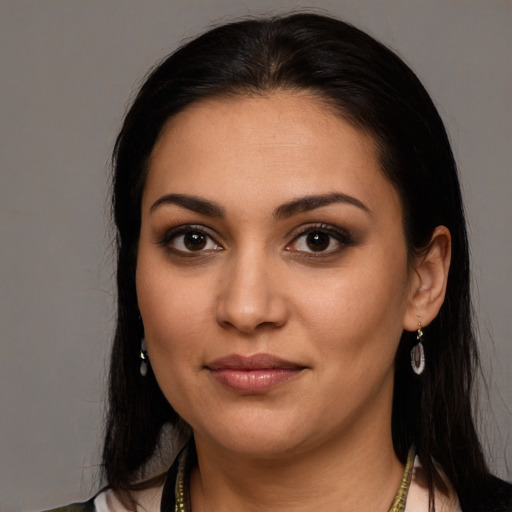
(249, 294)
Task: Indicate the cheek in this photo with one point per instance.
(173, 312)
(174, 315)
(354, 300)
(358, 311)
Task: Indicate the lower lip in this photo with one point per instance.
(254, 381)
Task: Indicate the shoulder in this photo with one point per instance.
(147, 500)
(418, 496)
(86, 506)
(495, 496)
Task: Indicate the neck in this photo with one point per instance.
(346, 475)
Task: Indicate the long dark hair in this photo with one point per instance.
(373, 89)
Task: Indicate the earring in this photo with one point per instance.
(418, 354)
(143, 358)
(143, 355)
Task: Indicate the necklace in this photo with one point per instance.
(398, 504)
(176, 498)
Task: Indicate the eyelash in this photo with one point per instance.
(174, 233)
(341, 236)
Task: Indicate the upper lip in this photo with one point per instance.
(254, 362)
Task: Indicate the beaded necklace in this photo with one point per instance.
(176, 495)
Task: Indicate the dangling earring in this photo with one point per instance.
(143, 355)
(143, 358)
(418, 354)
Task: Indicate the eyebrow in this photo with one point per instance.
(308, 203)
(286, 210)
(193, 203)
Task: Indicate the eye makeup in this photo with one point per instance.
(320, 239)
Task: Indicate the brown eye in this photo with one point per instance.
(186, 240)
(324, 239)
(318, 241)
(195, 241)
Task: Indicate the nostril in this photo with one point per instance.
(247, 317)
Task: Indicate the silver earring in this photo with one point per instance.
(143, 358)
(418, 354)
(143, 354)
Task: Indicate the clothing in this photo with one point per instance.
(497, 498)
(87, 506)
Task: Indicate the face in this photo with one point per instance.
(272, 275)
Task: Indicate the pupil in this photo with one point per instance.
(195, 241)
(317, 241)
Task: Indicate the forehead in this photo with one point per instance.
(284, 144)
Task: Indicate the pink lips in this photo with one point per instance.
(254, 374)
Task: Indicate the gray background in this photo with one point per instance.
(67, 69)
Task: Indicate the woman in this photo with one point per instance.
(293, 284)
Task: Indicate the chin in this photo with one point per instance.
(267, 439)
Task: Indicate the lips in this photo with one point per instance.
(254, 374)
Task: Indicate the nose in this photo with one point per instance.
(251, 298)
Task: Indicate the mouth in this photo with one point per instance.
(254, 374)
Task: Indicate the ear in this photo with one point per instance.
(428, 280)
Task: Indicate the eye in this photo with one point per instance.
(320, 239)
(188, 239)
(317, 241)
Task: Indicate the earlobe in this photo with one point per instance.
(428, 284)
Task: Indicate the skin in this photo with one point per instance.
(260, 286)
